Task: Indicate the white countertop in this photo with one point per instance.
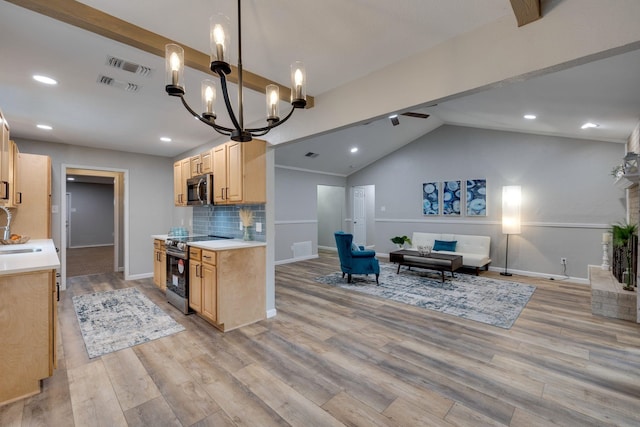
(46, 259)
(217, 245)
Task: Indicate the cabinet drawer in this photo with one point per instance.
(195, 254)
(209, 257)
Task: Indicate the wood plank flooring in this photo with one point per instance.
(331, 357)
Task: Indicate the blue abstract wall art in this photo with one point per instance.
(451, 193)
(430, 198)
(476, 197)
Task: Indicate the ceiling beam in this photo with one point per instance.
(80, 15)
(526, 11)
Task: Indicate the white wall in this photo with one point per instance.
(569, 197)
(149, 199)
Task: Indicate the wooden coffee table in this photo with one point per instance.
(432, 261)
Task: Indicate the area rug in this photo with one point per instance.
(491, 301)
(113, 320)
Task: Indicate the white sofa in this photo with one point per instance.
(473, 249)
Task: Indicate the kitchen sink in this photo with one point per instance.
(19, 251)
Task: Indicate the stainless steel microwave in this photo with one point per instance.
(200, 190)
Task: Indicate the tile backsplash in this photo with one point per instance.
(225, 221)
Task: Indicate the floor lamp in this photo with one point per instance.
(511, 201)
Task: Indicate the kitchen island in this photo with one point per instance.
(28, 317)
(226, 280)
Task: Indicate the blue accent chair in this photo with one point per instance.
(352, 261)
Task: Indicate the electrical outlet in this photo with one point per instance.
(563, 260)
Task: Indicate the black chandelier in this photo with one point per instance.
(219, 40)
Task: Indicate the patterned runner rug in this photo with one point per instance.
(113, 320)
(491, 301)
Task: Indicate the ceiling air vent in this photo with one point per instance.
(131, 67)
(312, 155)
(125, 86)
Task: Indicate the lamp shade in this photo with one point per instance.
(511, 202)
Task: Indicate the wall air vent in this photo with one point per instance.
(312, 155)
(125, 86)
(129, 66)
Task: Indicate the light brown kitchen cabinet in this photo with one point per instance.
(181, 173)
(239, 171)
(28, 329)
(33, 197)
(209, 286)
(5, 153)
(229, 290)
(202, 163)
(159, 264)
(195, 279)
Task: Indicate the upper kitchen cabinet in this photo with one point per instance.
(8, 154)
(181, 173)
(202, 163)
(239, 172)
(33, 196)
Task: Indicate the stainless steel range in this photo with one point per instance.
(178, 268)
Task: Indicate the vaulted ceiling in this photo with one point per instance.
(343, 44)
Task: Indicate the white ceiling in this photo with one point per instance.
(339, 41)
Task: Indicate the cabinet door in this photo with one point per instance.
(209, 292)
(177, 184)
(163, 270)
(195, 166)
(33, 196)
(235, 171)
(220, 173)
(4, 159)
(206, 160)
(195, 286)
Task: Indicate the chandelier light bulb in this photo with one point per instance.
(218, 39)
(175, 66)
(273, 97)
(208, 97)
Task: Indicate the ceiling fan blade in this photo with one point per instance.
(417, 115)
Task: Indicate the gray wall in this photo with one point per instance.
(149, 200)
(331, 213)
(296, 208)
(569, 198)
(91, 218)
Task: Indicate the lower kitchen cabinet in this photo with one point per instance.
(28, 309)
(227, 287)
(159, 265)
(195, 279)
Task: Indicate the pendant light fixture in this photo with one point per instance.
(219, 39)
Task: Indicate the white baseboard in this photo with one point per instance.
(290, 260)
(138, 276)
(271, 313)
(328, 248)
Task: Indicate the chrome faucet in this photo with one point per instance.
(7, 228)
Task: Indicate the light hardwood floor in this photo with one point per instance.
(331, 357)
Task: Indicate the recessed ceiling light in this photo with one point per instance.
(44, 79)
(165, 139)
(70, 178)
(45, 127)
(393, 116)
(530, 116)
(589, 125)
(354, 150)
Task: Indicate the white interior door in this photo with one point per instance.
(359, 216)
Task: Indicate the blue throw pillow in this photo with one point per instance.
(441, 245)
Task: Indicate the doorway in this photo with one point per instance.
(92, 221)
